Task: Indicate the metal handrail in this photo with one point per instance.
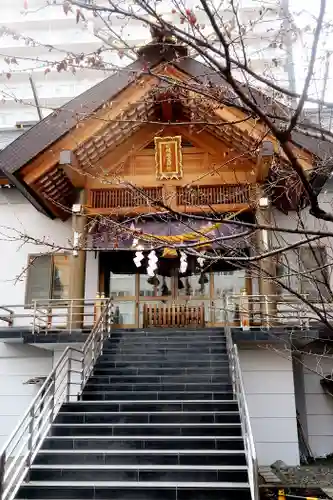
(52, 315)
(274, 310)
(73, 369)
(239, 392)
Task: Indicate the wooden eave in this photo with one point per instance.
(105, 134)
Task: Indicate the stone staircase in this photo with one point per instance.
(157, 420)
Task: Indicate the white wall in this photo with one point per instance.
(19, 363)
(319, 405)
(269, 386)
(91, 287)
(293, 221)
(17, 219)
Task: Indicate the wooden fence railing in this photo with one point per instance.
(224, 194)
(173, 316)
(124, 197)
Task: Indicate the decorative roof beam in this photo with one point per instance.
(71, 166)
(265, 160)
(91, 126)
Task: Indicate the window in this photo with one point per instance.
(287, 272)
(122, 285)
(48, 277)
(314, 277)
(304, 270)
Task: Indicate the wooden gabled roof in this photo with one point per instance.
(40, 145)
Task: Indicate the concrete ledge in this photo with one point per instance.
(275, 335)
(255, 334)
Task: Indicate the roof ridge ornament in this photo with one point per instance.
(163, 44)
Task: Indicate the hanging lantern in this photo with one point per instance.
(180, 284)
(153, 280)
(164, 288)
(203, 280)
(188, 287)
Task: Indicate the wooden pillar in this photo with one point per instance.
(266, 265)
(77, 265)
(264, 236)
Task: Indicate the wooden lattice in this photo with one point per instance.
(173, 316)
(123, 197)
(225, 194)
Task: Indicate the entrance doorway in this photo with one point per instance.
(171, 299)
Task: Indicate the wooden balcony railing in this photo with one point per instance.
(225, 194)
(195, 196)
(173, 315)
(124, 197)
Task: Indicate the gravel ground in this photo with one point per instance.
(318, 474)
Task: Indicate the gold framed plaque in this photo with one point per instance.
(168, 157)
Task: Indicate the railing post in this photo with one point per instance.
(69, 373)
(225, 302)
(34, 317)
(49, 317)
(110, 318)
(93, 349)
(2, 473)
(82, 372)
(96, 315)
(97, 308)
(53, 390)
(31, 435)
(266, 312)
(11, 320)
(244, 310)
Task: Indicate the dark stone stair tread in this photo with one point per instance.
(134, 475)
(141, 484)
(161, 451)
(216, 370)
(151, 417)
(200, 412)
(79, 443)
(142, 467)
(144, 406)
(152, 349)
(154, 429)
(141, 396)
(159, 379)
(171, 424)
(159, 353)
(147, 438)
(161, 457)
(157, 392)
(162, 384)
(163, 362)
(139, 493)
